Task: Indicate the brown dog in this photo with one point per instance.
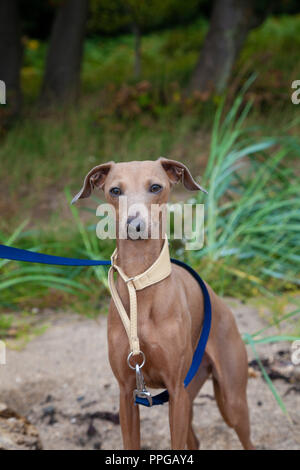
(170, 315)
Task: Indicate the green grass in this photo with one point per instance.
(6, 322)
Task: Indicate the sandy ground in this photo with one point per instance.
(62, 382)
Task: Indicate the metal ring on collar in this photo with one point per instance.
(130, 356)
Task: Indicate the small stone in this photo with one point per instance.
(3, 407)
(91, 431)
(48, 411)
(52, 420)
(97, 446)
(12, 420)
(252, 373)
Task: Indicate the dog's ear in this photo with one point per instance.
(177, 172)
(95, 178)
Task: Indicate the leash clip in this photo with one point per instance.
(141, 390)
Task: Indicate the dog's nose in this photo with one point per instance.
(135, 224)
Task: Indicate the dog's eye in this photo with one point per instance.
(155, 188)
(115, 191)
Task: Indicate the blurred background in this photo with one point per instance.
(208, 83)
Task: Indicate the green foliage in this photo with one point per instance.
(107, 17)
(182, 41)
(167, 57)
(111, 17)
(272, 50)
(170, 56)
(6, 322)
(34, 57)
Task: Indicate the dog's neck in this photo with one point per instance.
(134, 257)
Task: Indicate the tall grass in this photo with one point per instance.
(252, 209)
(252, 225)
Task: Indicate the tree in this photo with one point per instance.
(138, 11)
(62, 74)
(11, 54)
(230, 24)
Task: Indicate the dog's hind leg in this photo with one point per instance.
(234, 410)
(193, 389)
(228, 356)
(230, 376)
(192, 440)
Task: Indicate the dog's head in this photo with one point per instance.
(138, 191)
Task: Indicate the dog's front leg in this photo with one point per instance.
(179, 416)
(129, 420)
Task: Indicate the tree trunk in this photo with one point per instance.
(137, 51)
(10, 55)
(230, 23)
(62, 74)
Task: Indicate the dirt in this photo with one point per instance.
(61, 382)
(16, 432)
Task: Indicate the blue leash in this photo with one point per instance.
(17, 254)
(8, 252)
